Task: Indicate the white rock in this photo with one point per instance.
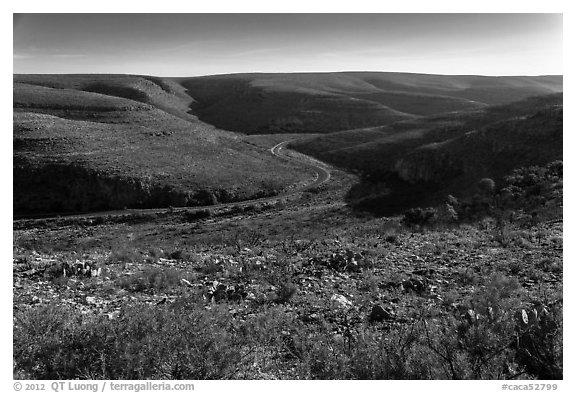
(340, 301)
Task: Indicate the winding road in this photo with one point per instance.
(322, 176)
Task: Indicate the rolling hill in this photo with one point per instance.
(329, 102)
(375, 150)
(85, 142)
(417, 163)
(93, 142)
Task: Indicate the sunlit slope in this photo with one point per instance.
(161, 93)
(76, 150)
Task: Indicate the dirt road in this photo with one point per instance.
(322, 176)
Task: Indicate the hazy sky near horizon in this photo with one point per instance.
(205, 44)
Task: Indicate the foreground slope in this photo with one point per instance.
(303, 291)
(107, 142)
(328, 102)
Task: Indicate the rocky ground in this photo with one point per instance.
(435, 268)
(341, 274)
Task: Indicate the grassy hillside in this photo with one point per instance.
(328, 102)
(161, 93)
(130, 144)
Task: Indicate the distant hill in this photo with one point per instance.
(98, 142)
(158, 92)
(329, 102)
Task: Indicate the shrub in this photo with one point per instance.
(125, 255)
(211, 266)
(179, 254)
(493, 339)
(202, 198)
(369, 282)
(155, 252)
(535, 189)
(151, 278)
(191, 216)
(249, 208)
(183, 341)
(515, 267)
(447, 213)
(419, 216)
(236, 209)
(285, 292)
(486, 186)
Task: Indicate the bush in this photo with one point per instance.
(146, 342)
(179, 254)
(285, 292)
(420, 217)
(151, 278)
(236, 209)
(447, 214)
(492, 339)
(211, 266)
(202, 198)
(486, 186)
(534, 189)
(249, 208)
(125, 255)
(191, 216)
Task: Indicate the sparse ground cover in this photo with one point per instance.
(301, 287)
(80, 148)
(302, 291)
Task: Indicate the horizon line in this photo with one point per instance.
(284, 73)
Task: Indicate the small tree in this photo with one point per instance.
(487, 186)
(419, 216)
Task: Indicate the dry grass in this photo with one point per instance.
(130, 142)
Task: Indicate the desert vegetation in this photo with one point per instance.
(434, 251)
(476, 294)
(85, 143)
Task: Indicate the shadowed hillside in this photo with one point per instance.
(424, 169)
(374, 151)
(328, 102)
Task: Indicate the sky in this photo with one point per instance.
(207, 44)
